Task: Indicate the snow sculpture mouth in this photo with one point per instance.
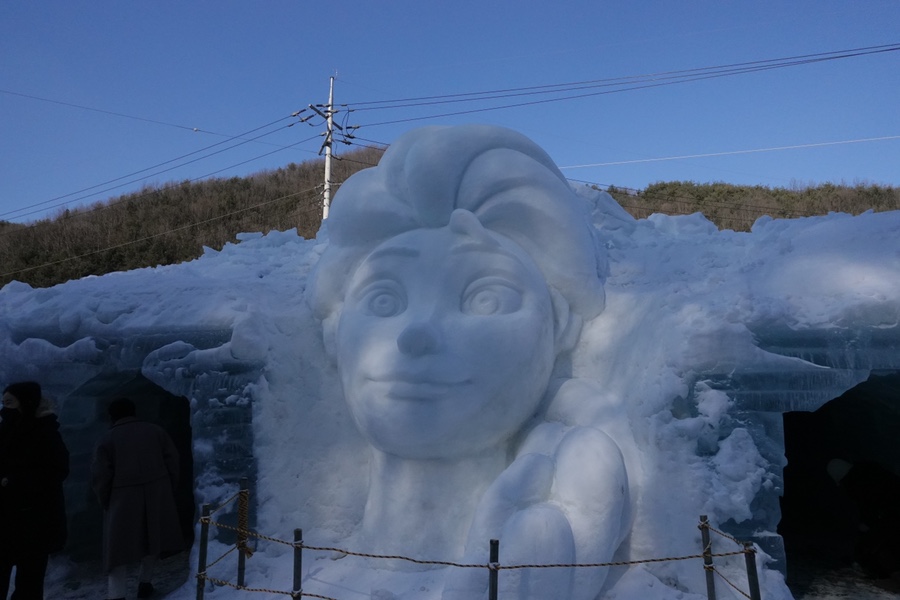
(417, 388)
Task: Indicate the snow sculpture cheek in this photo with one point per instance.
(445, 343)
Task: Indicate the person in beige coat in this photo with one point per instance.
(134, 471)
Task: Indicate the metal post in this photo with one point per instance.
(201, 559)
(494, 572)
(243, 525)
(707, 558)
(298, 562)
(752, 576)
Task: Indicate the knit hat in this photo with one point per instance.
(28, 393)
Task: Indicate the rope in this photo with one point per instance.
(394, 557)
(224, 504)
(227, 552)
(498, 567)
(254, 534)
(468, 565)
(624, 563)
(723, 534)
(725, 579)
(246, 589)
(261, 590)
(244, 533)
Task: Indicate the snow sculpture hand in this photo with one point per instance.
(565, 509)
(531, 530)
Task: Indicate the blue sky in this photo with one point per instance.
(99, 98)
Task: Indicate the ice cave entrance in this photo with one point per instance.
(84, 417)
(841, 502)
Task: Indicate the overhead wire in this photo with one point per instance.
(644, 81)
(734, 68)
(18, 213)
(632, 83)
(138, 196)
(733, 152)
(107, 112)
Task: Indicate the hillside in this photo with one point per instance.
(172, 223)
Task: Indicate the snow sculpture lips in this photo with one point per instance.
(445, 341)
(416, 388)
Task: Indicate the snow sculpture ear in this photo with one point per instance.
(567, 325)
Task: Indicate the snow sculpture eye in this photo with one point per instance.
(491, 296)
(383, 300)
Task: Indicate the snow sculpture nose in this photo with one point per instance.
(418, 339)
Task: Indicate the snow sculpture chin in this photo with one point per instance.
(457, 277)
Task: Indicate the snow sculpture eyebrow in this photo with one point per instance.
(479, 246)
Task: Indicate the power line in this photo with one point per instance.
(631, 83)
(106, 112)
(163, 188)
(733, 152)
(734, 68)
(358, 162)
(244, 140)
(634, 82)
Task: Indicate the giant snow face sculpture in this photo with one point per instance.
(445, 341)
(457, 276)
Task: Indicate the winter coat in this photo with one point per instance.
(133, 474)
(34, 461)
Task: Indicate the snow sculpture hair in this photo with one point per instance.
(499, 175)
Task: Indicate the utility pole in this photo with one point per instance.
(326, 146)
(326, 193)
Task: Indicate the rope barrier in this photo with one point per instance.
(255, 590)
(248, 532)
(395, 557)
(624, 563)
(227, 552)
(244, 533)
(225, 503)
(726, 580)
(489, 566)
(723, 534)
(747, 549)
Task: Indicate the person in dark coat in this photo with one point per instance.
(34, 461)
(134, 471)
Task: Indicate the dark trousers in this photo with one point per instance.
(30, 571)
